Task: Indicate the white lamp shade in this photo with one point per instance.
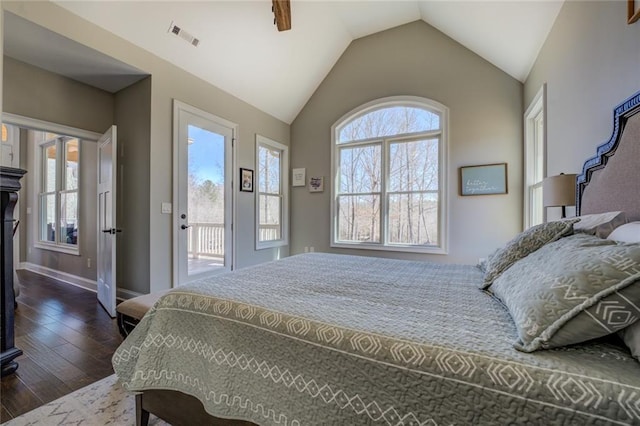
(559, 190)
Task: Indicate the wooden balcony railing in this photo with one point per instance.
(207, 239)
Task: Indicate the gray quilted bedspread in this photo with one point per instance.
(321, 339)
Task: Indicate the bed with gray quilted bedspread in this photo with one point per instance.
(345, 340)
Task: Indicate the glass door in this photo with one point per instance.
(203, 210)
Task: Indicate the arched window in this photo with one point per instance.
(389, 176)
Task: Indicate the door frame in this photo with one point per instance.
(182, 106)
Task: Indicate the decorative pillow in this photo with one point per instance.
(600, 224)
(522, 245)
(631, 338)
(572, 290)
(627, 233)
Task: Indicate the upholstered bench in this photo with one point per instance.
(130, 312)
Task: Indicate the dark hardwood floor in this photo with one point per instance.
(67, 340)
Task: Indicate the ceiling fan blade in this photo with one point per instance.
(282, 12)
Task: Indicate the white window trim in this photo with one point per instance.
(443, 222)
(537, 106)
(284, 188)
(38, 242)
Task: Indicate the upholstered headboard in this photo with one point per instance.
(611, 182)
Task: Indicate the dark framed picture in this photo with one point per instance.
(486, 179)
(246, 180)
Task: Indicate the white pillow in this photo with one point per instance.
(627, 233)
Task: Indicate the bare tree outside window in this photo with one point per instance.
(270, 196)
(388, 189)
(272, 181)
(59, 194)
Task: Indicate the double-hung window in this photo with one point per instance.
(272, 165)
(389, 177)
(534, 160)
(59, 193)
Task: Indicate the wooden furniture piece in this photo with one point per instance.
(9, 185)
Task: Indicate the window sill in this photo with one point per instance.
(271, 244)
(75, 251)
(397, 248)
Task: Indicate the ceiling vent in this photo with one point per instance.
(176, 30)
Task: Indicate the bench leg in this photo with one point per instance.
(142, 415)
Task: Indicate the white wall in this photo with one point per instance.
(485, 110)
(591, 63)
(168, 82)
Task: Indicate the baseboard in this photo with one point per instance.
(61, 276)
(121, 293)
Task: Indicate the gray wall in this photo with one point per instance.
(133, 119)
(169, 82)
(591, 63)
(485, 106)
(35, 93)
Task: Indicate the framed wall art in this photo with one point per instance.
(486, 179)
(316, 184)
(298, 177)
(246, 180)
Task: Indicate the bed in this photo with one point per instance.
(320, 339)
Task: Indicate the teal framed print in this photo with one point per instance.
(486, 179)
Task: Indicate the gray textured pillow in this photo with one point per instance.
(572, 290)
(631, 337)
(600, 224)
(524, 244)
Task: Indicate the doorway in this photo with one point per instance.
(58, 209)
(203, 196)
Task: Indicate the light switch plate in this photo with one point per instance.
(166, 208)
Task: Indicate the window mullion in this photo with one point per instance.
(59, 187)
(384, 210)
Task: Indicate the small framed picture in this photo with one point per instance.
(316, 184)
(298, 177)
(246, 180)
(485, 179)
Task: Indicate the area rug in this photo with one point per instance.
(101, 403)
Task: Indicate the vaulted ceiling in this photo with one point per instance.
(241, 51)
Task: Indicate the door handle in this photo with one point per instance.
(111, 231)
(185, 226)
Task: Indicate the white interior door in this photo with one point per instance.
(106, 256)
(203, 196)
